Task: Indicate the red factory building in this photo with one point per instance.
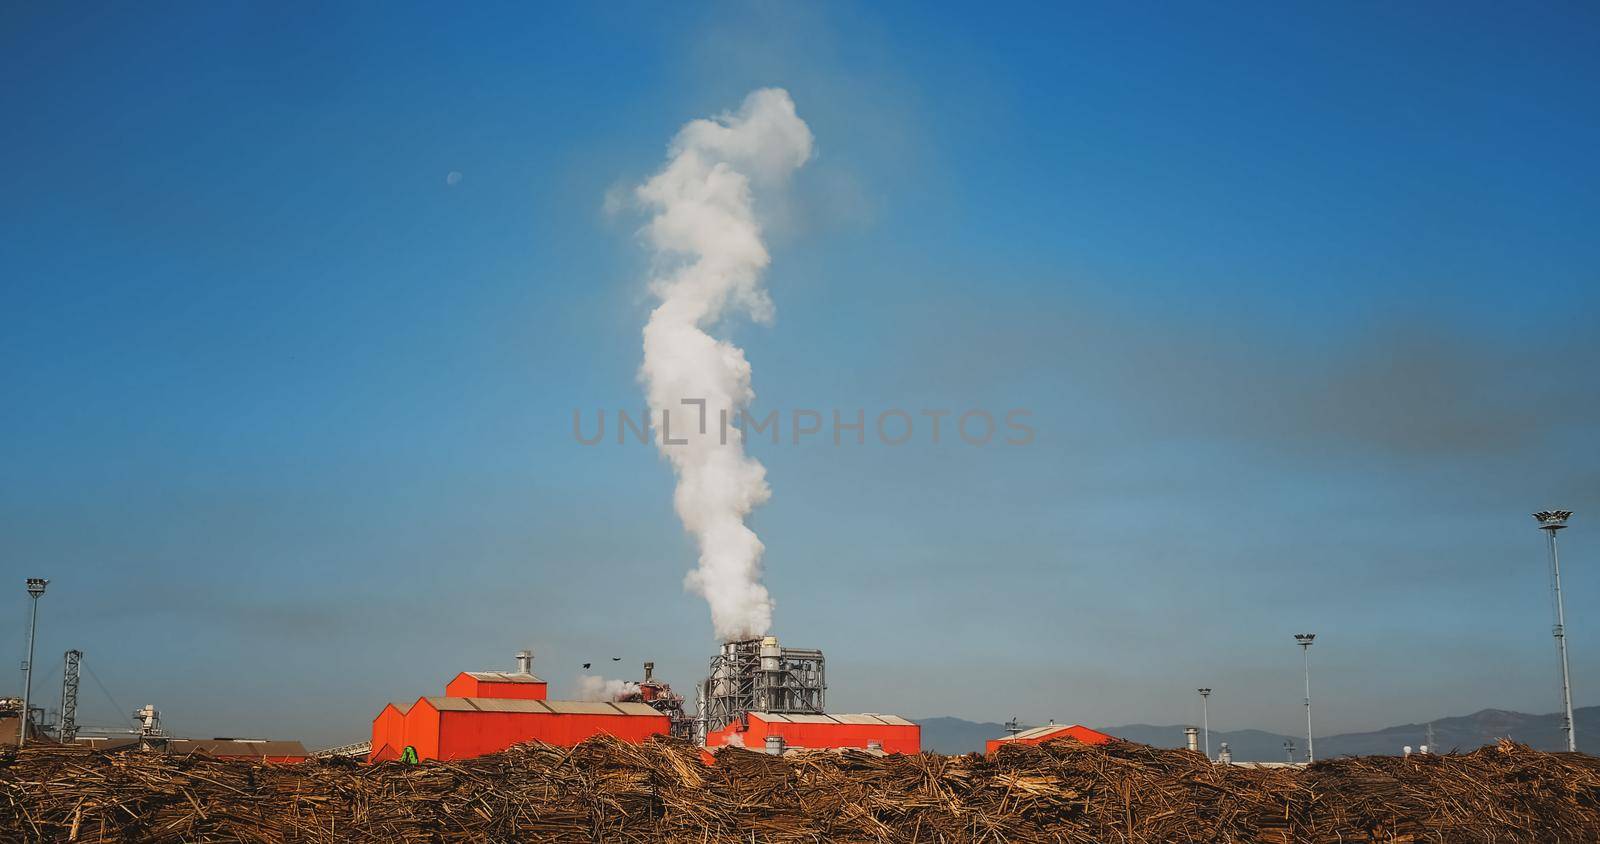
(867, 731)
(488, 711)
(1051, 732)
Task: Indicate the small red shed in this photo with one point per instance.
(1051, 732)
(498, 684)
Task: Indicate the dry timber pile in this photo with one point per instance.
(605, 790)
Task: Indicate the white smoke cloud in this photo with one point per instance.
(709, 260)
(599, 688)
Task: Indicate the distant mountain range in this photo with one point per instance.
(1464, 732)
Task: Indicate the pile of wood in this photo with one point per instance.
(609, 791)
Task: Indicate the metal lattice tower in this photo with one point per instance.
(69, 696)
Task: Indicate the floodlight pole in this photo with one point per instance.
(1304, 640)
(1205, 718)
(36, 587)
(1551, 521)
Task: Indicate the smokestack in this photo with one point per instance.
(709, 258)
(649, 669)
(1192, 737)
(524, 662)
(1225, 756)
(775, 745)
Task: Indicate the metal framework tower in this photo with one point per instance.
(1551, 521)
(1304, 640)
(68, 729)
(757, 675)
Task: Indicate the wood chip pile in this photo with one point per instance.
(609, 791)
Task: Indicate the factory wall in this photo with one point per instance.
(463, 735)
(822, 732)
(388, 734)
(422, 729)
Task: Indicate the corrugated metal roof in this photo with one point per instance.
(502, 677)
(874, 718)
(1037, 732)
(811, 719)
(558, 707)
(501, 704)
(636, 708)
(584, 707)
(868, 718)
(451, 704)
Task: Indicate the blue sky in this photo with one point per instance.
(1303, 306)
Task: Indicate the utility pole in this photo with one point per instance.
(1304, 640)
(36, 587)
(1205, 717)
(1551, 521)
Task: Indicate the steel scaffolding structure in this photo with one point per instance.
(759, 675)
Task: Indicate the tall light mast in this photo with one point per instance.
(1551, 521)
(1304, 640)
(36, 587)
(1205, 717)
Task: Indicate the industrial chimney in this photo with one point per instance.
(524, 662)
(649, 669)
(1192, 737)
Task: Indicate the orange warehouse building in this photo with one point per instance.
(1040, 735)
(486, 712)
(891, 733)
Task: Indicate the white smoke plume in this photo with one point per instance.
(599, 688)
(709, 258)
